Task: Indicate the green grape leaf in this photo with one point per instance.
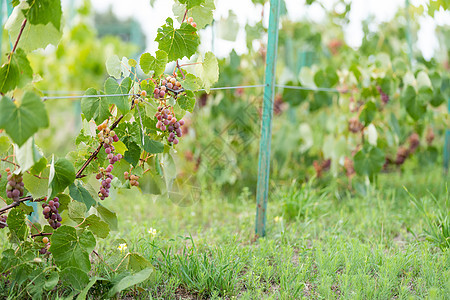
(75, 278)
(16, 72)
(22, 121)
(80, 194)
(114, 66)
(27, 155)
(43, 12)
(132, 62)
(77, 211)
(186, 101)
(369, 161)
(191, 82)
(130, 280)
(368, 113)
(320, 100)
(208, 70)
(326, 78)
(177, 43)
(95, 108)
(71, 250)
(411, 102)
(295, 97)
(5, 144)
(228, 29)
(51, 281)
(36, 186)
(152, 147)
(62, 174)
(191, 3)
(133, 153)
(108, 216)
(202, 14)
(34, 36)
(17, 227)
(156, 64)
(112, 88)
(96, 226)
(136, 262)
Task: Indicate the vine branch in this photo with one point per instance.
(18, 38)
(17, 203)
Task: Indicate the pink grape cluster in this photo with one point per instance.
(15, 186)
(44, 250)
(190, 21)
(166, 121)
(106, 177)
(51, 212)
(384, 96)
(170, 83)
(3, 219)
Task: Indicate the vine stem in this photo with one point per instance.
(184, 17)
(17, 203)
(95, 153)
(18, 38)
(41, 234)
(98, 255)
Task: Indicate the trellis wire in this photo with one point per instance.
(317, 89)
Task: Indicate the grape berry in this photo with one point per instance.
(51, 212)
(191, 22)
(167, 121)
(107, 137)
(168, 84)
(3, 219)
(44, 250)
(15, 186)
(132, 178)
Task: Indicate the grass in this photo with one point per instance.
(321, 243)
(374, 242)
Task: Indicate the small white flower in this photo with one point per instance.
(278, 219)
(152, 232)
(122, 248)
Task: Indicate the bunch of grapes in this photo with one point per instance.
(3, 219)
(106, 177)
(170, 83)
(414, 142)
(354, 125)
(430, 136)
(44, 250)
(51, 212)
(166, 121)
(132, 178)
(107, 137)
(191, 22)
(15, 186)
(349, 167)
(384, 96)
(402, 154)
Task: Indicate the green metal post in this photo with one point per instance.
(262, 192)
(408, 32)
(1, 30)
(447, 145)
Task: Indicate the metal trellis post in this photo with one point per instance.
(447, 145)
(1, 25)
(262, 192)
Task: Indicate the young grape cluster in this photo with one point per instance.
(44, 250)
(354, 125)
(132, 178)
(191, 22)
(3, 219)
(384, 96)
(107, 137)
(106, 177)
(15, 186)
(51, 212)
(170, 83)
(167, 121)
